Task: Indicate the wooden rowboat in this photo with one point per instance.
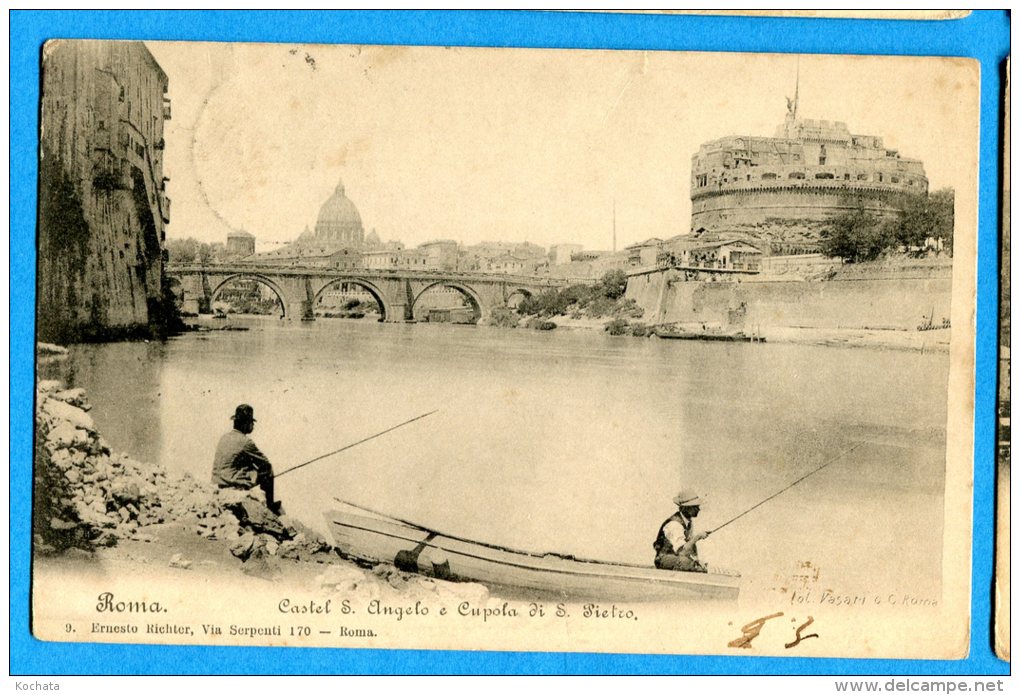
(729, 337)
(417, 549)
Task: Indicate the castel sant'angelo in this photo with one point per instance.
(784, 189)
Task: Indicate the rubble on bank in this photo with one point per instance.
(88, 497)
(90, 500)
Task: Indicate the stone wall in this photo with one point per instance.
(850, 303)
(102, 203)
(809, 208)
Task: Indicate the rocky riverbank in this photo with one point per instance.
(127, 516)
(873, 338)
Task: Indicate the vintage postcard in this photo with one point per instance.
(505, 349)
(1005, 439)
(823, 14)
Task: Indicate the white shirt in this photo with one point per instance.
(676, 534)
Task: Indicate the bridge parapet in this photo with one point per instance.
(396, 291)
(317, 271)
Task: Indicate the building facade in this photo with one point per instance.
(339, 221)
(442, 254)
(790, 185)
(103, 207)
(240, 244)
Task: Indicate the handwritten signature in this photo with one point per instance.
(753, 629)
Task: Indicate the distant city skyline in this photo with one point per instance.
(506, 144)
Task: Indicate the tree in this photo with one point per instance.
(182, 250)
(926, 217)
(613, 284)
(943, 202)
(855, 236)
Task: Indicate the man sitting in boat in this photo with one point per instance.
(676, 546)
(239, 463)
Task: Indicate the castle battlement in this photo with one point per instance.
(808, 172)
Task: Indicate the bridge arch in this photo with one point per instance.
(266, 282)
(479, 307)
(516, 295)
(369, 286)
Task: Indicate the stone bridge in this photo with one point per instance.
(396, 291)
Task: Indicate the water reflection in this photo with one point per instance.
(564, 441)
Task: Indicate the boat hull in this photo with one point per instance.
(724, 337)
(519, 573)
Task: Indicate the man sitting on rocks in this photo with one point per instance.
(239, 463)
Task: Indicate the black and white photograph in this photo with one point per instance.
(505, 349)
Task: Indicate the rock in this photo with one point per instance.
(243, 547)
(261, 564)
(126, 493)
(48, 385)
(69, 413)
(179, 562)
(341, 576)
(63, 435)
(61, 525)
(61, 458)
(50, 349)
(272, 546)
(41, 546)
(105, 540)
(255, 516)
(75, 397)
(73, 475)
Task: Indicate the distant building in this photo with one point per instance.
(790, 185)
(385, 259)
(588, 256)
(339, 222)
(240, 244)
(440, 255)
(646, 253)
(309, 255)
(103, 207)
(506, 263)
(563, 253)
(721, 255)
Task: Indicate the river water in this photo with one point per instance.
(567, 441)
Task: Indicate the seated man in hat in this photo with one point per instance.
(239, 463)
(676, 546)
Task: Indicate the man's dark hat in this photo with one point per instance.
(244, 413)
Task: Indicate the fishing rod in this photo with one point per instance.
(351, 446)
(806, 475)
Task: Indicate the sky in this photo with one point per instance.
(538, 145)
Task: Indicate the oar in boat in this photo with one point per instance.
(777, 494)
(351, 446)
(451, 536)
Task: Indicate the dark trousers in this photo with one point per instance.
(678, 563)
(264, 479)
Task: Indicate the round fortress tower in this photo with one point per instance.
(808, 172)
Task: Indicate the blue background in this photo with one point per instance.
(984, 35)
